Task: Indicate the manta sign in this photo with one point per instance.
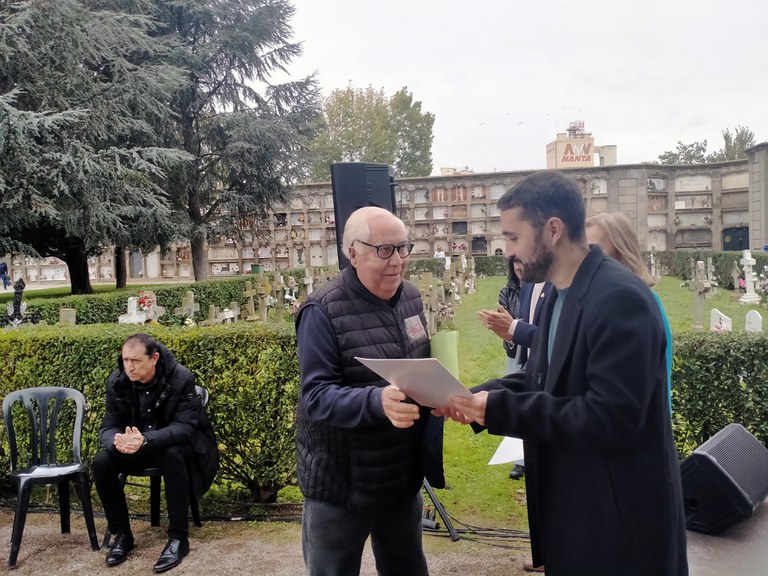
(577, 152)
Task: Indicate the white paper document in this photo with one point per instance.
(510, 450)
(425, 380)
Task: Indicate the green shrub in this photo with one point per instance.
(718, 378)
(251, 372)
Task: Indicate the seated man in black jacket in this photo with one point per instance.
(153, 418)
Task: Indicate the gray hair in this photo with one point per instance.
(357, 228)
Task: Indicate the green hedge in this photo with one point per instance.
(251, 371)
(718, 378)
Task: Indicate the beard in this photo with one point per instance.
(537, 268)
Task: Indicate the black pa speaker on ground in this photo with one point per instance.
(724, 480)
(358, 184)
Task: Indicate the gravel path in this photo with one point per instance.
(224, 548)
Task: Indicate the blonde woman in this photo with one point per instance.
(616, 237)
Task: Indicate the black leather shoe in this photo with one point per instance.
(172, 554)
(119, 550)
(517, 472)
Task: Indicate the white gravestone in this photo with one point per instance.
(133, 315)
(719, 322)
(754, 322)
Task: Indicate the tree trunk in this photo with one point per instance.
(199, 257)
(121, 272)
(77, 263)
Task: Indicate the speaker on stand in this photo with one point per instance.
(355, 185)
(724, 480)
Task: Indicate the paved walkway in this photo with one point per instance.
(742, 550)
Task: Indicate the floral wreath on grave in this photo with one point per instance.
(444, 317)
(146, 301)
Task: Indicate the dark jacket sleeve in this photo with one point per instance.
(117, 413)
(180, 411)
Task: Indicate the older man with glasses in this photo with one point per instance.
(363, 447)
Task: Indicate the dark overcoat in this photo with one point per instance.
(602, 473)
(179, 416)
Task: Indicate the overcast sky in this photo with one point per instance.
(502, 77)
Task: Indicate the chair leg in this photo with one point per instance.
(19, 519)
(154, 500)
(85, 499)
(64, 506)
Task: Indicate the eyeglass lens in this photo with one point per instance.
(386, 250)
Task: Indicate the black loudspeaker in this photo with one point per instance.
(358, 184)
(724, 480)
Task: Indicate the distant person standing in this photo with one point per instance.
(4, 274)
(440, 264)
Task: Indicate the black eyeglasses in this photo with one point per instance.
(385, 251)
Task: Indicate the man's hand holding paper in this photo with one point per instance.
(402, 414)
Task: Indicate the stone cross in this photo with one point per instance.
(711, 276)
(279, 297)
(265, 291)
(652, 260)
(155, 311)
(749, 297)
(133, 314)
(754, 322)
(719, 322)
(188, 307)
(472, 276)
(308, 280)
(249, 314)
(214, 316)
(700, 287)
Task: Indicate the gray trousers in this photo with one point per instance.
(333, 538)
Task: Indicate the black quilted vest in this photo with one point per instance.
(372, 466)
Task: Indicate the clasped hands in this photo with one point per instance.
(130, 441)
(403, 414)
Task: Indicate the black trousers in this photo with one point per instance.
(174, 464)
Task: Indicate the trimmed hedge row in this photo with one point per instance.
(717, 379)
(251, 371)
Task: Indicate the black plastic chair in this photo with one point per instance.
(154, 486)
(43, 405)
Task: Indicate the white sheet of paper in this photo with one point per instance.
(425, 380)
(510, 450)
